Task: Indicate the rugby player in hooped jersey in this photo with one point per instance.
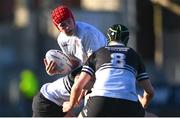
(76, 39)
(116, 68)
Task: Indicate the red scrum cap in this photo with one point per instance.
(60, 14)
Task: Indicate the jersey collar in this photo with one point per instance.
(115, 43)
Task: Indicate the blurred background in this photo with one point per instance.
(27, 33)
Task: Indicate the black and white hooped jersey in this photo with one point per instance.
(116, 69)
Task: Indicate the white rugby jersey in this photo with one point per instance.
(86, 40)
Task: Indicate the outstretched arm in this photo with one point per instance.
(83, 80)
(148, 92)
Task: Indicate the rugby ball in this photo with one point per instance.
(65, 64)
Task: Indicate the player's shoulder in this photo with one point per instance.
(86, 26)
(101, 50)
(131, 49)
(83, 24)
(133, 52)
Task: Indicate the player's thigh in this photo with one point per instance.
(105, 106)
(95, 107)
(43, 107)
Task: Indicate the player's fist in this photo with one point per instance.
(67, 106)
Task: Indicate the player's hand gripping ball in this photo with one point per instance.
(64, 63)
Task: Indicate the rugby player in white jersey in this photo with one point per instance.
(76, 39)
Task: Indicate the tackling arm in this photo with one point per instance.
(148, 92)
(78, 86)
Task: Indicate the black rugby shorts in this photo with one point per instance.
(99, 106)
(43, 107)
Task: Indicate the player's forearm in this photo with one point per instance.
(78, 87)
(75, 93)
(146, 99)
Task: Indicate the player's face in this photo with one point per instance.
(67, 26)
